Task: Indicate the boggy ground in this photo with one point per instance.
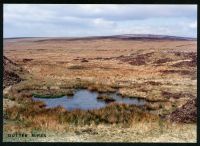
(162, 72)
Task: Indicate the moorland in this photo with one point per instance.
(160, 70)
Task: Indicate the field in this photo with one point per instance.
(161, 71)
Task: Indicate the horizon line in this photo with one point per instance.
(96, 36)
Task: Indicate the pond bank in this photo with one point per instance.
(85, 100)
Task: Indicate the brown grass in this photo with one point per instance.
(37, 115)
(158, 71)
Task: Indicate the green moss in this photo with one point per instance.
(47, 96)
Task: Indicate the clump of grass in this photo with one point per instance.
(105, 98)
(28, 85)
(12, 113)
(47, 96)
(111, 114)
(153, 105)
(75, 84)
(174, 106)
(52, 93)
(165, 112)
(36, 115)
(101, 88)
(161, 125)
(77, 67)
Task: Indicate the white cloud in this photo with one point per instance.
(193, 25)
(60, 20)
(99, 22)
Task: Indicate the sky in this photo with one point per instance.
(73, 20)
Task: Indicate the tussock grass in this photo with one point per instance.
(77, 67)
(152, 96)
(101, 88)
(34, 113)
(47, 96)
(52, 93)
(105, 98)
(111, 114)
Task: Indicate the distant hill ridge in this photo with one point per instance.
(122, 37)
(151, 36)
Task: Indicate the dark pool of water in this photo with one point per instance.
(85, 100)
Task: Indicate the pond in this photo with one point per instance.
(85, 100)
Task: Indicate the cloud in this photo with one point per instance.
(99, 22)
(85, 19)
(193, 25)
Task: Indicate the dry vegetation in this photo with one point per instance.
(162, 72)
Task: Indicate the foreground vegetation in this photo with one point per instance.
(26, 115)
